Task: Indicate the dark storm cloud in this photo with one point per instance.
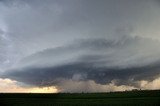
(54, 75)
(45, 42)
(89, 60)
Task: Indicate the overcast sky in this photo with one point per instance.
(79, 45)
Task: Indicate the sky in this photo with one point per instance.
(55, 46)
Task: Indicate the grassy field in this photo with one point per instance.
(129, 98)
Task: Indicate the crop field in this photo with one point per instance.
(128, 98)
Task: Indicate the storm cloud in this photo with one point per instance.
(98, 60)
(100, 44)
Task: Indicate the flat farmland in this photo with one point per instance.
(127, 98)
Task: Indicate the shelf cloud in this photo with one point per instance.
(96, 46)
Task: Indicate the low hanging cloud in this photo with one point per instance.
(12, 86)
(155, 84)
(90, 86)
(96, 61)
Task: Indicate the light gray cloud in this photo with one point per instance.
(36, 25)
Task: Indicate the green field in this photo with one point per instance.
(131, 98)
